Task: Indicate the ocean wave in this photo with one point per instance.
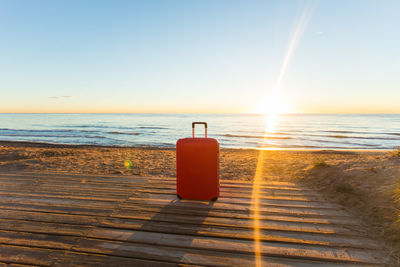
(290, 146)
(127, 133)
(36, 135)
(257, 136)
(359, 132)
(95, 137)
(361, 137)
(86, 126)
(34, 130)
(310, 143)
(52, 135)
(338, 142)
(113, 127)
(340, 131)
(87, 131)
(306, 135)
(153, 127)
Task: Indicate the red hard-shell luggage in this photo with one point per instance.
(197, 167)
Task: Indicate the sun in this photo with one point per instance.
(272, 106)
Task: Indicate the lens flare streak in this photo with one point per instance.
(294, 40)
(271, 121)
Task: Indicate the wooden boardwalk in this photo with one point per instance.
(69, 220)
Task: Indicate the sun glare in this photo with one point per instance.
(274, 104)
(270, 123)
(271, 107)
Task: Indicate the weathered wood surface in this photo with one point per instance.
(69, 220)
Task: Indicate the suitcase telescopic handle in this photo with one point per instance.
(197, 122)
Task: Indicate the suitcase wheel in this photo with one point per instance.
(214, 199)
(179, 196)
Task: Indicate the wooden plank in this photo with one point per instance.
(96, 260)
(37, 240)
(267, 225)
(266, 187)
(129, 179)
(128, 186)
(48, 217)
(65, 209)
(236, 232)
(246, 195)
(229, 189)
(107, 205)
(177, 218)
(143, 186)
(295, 210)
(237, 181)
(43, 227)
(105, 202)
(70, 176)
(247, 200)
(173, 210)
(107, 196)
(59, 200)
(11, 211)
(238, 205)
(184, 252)
(156, 226)
(67, 189)
(28, 256)
(66, 195)
(235, 246)
(158, 253)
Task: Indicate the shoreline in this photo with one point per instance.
(77, 146)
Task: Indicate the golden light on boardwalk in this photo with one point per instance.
(255, 208)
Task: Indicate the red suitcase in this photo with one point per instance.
(197, 167)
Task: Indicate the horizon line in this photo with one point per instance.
(215, 113)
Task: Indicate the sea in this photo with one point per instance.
(289, 131)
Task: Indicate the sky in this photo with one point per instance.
(203, 56)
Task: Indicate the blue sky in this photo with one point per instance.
(198, 56)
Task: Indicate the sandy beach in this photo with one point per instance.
(365, 182)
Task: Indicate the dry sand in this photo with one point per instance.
(366, 182)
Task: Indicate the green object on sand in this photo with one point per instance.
(128, 164)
